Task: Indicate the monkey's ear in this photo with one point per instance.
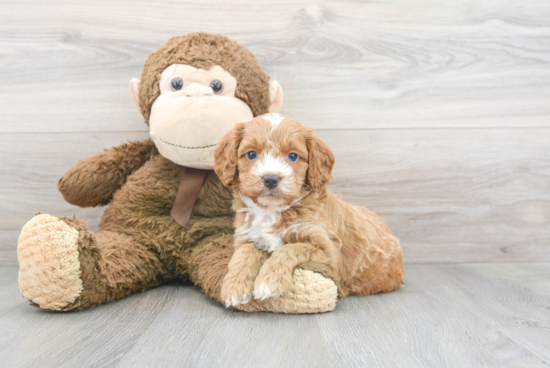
(276, 96)
(320, 161)
(134, 92)
(225, 154)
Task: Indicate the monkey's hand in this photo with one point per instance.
(93, 181)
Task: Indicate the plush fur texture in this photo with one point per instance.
(92, 182)
(310, 293)
(66, 267)
(299, 222)
(139, 245)
(204, 50)
(51, 283)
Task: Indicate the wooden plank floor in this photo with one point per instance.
(469, 315)
(439, 115)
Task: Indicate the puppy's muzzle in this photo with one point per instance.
(271, 181)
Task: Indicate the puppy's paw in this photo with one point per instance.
(234, 300)
(268, 286)
(263, 291)
(234, 293)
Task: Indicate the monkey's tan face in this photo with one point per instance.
(195, 109)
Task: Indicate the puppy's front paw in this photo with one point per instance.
(264, 291)
(271, 286)
(235, 293)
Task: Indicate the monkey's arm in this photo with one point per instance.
(93, 181)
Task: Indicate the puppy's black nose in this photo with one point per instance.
(271, 181)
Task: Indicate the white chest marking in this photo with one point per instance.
(258, 226)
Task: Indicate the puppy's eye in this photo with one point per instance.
(292, 157)
(251, 155)
(177, 84)
(216, 86)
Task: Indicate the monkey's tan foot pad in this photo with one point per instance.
(310, 293)
(49, 268)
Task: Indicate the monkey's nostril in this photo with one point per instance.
(271, 181)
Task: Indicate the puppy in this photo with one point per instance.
(287, 218)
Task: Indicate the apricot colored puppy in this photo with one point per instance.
(287, 218)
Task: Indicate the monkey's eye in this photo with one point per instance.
(216, 86)
(251, 155)
(177, 84)
(292, 157)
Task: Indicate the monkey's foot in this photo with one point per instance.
(310, 293)
(49, 266)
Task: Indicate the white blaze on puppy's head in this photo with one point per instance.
(274, 164)
(274, 118)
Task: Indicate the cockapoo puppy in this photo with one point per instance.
(287, 218)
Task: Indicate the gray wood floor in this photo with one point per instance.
(470, 315)
(439, 115)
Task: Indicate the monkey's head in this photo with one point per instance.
(194, 89)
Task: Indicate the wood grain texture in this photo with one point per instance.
(439, 112)
(483, 315)
(344, 64)
(449, 195)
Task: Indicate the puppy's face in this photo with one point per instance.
(273, 160)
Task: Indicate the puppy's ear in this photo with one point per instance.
(320, 161)
(225, 154)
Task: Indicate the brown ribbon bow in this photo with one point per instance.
(188, 191)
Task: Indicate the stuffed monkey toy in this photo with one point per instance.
(168, 216)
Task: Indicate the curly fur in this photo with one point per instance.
(315, 229)
(204, 50)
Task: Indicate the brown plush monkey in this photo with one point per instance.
(169, 217)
